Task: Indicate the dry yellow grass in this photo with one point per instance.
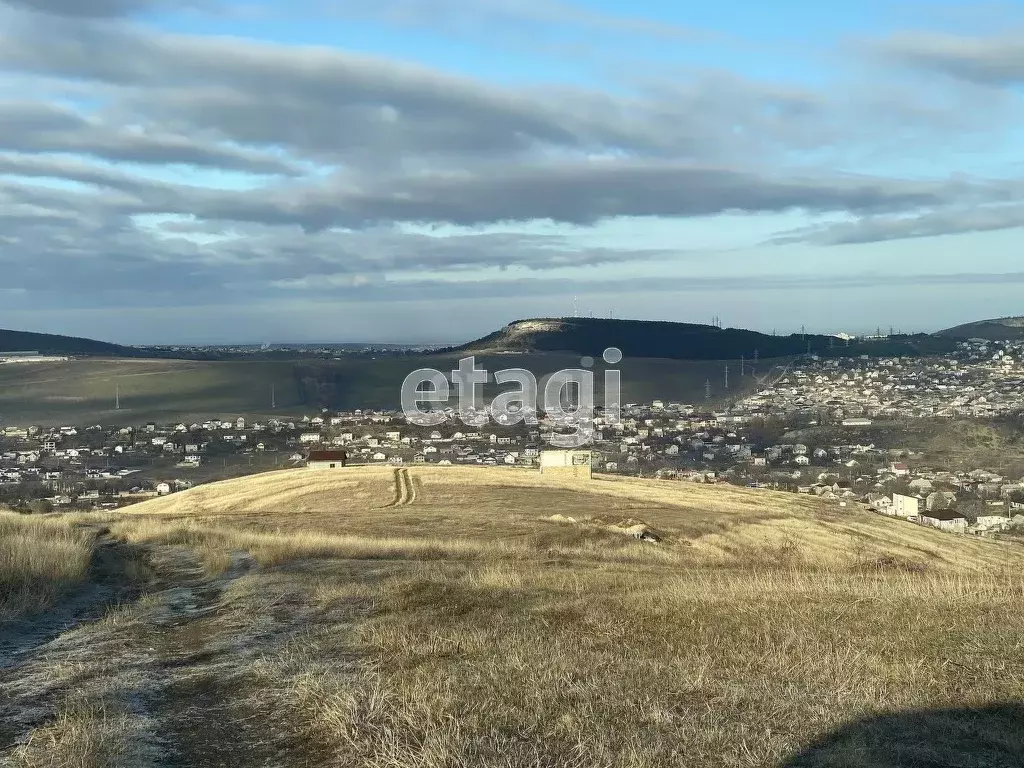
(41, 558)
(701, 524)
(459, 626)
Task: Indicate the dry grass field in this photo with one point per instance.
(82, 391)
(452, 617)
(41, 559)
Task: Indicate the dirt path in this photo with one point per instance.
(171, 679)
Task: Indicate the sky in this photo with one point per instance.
(426, 171)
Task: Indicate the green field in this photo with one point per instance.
(83, 391)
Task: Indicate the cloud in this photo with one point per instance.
(101, 8)
(582, 193)
(342, 108)
(32, 127)
(871, 229)
(138, 165)
(495, 16)
(991, 60)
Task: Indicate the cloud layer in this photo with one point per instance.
(196, 165)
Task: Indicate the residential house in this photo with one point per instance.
(945, 520)
(905, 507)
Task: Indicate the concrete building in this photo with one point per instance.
(905, 506)
(574, 464)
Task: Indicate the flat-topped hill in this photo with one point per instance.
(680, 341)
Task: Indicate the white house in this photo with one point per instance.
(945, 520)
(326, 459)
(309, 437)
(992, 521)
(905, 506)
(881, 504)
(162, 489)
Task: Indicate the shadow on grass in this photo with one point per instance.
(118, 574)
(984, 737)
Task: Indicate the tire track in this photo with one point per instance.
(405, 491)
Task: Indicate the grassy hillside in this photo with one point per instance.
(83, 391)
(457, 617)
(1001, 329)
(49, 344)
(683, 341)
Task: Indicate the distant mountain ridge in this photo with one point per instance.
(50, 344)
(680, 341)
(998, 329)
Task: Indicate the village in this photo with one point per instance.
(754, 442)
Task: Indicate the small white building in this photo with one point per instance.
(326, 459)
(576, 464)
(945, 520)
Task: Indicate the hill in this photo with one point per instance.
(458, 616)
(680, 341)
(999, 329)
(49, 344)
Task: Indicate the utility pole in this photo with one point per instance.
(117, 395)
(727, 377)
(575, 306)
(273, 397)
(743, 363)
